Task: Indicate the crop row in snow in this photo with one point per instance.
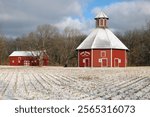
(74, 83)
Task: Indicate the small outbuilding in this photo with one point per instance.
(28, 58)
(102, 48)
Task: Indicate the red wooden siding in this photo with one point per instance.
(102, 58)
(26, 61)
(99, 60)
(119, 58)
(84, 58)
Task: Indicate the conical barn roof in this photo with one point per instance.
(101, 15)
(101, 38)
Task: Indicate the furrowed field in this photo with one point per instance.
(74, 83)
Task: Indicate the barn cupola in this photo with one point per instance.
(101, 20)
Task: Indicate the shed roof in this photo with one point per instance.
(101, 38)
(25, 53)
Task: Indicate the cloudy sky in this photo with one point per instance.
(18, 17)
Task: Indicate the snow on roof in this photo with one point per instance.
(101, 38)
(25, 53)
(101, 15)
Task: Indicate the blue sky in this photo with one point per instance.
(100, 3)
(96, 3)
(19, 17)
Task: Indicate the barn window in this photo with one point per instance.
(85, 53)
(26, 63)
(103, 53)
(19, 58)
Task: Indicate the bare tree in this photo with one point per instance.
(40, 38)
(71, 37)
(2, 49)
(61, 45)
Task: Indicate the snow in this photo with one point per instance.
(74, 83)
(101, 38)
(25, 53)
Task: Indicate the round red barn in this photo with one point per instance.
(102, 48)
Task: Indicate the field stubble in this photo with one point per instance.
(33, 83)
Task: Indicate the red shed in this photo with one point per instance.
(102, 48)
(27, 58)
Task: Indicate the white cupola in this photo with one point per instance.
(101, 20)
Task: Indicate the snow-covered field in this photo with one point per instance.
(74, 83)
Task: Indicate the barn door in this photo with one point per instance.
(104, 62)
(116, 62)
(86, 62)
(26, 63)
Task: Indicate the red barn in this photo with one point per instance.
(27, 58)
(102, 48)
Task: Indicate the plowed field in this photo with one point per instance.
(74, 83)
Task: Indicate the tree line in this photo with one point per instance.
(61, 45)
(138, 42)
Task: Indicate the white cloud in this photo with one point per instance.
(22, 16)
(83, 25)
(127, 15)
(69, 22)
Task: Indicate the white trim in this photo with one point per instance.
(85, 53)
(118, 62)
(91, 57)
(85, 62)
(19, 58)
(100, 60)
(106, 62)
(78, 58)
(111, 57)
(26, 63)
(125, 58)
(103, 52)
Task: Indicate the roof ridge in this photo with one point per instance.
(108, 38)
(102, 38)
(94, 38)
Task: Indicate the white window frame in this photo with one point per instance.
(106, 62)
(103, 53)
(85, 62)
(119, 61)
